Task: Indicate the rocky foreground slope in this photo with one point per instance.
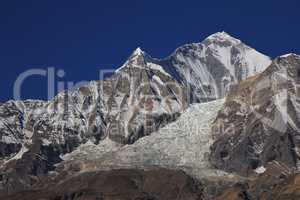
(159, 184)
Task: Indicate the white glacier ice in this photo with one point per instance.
(183, 144)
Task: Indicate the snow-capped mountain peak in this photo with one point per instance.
(138, 59)
(222, 37)
(137, 52)
(290, 54)
(210, 67)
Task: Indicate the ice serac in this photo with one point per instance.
(210, 67)
(259, 122)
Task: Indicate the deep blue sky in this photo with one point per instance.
(82, 37)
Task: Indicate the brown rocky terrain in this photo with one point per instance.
(277, 183)
(160, 184)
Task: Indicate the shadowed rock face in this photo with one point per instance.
(157, 184)
(259, 122)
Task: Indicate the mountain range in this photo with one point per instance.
(216, 115)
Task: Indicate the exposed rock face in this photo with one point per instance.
(159, 184)
(259, 122)
(16, 124)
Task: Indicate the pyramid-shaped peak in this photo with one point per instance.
(222, 36)
(137, 58)
(138, 51)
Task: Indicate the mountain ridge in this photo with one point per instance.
(144, 95)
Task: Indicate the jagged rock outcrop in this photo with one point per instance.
(259, 122)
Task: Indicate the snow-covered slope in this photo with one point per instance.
(208, 68)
